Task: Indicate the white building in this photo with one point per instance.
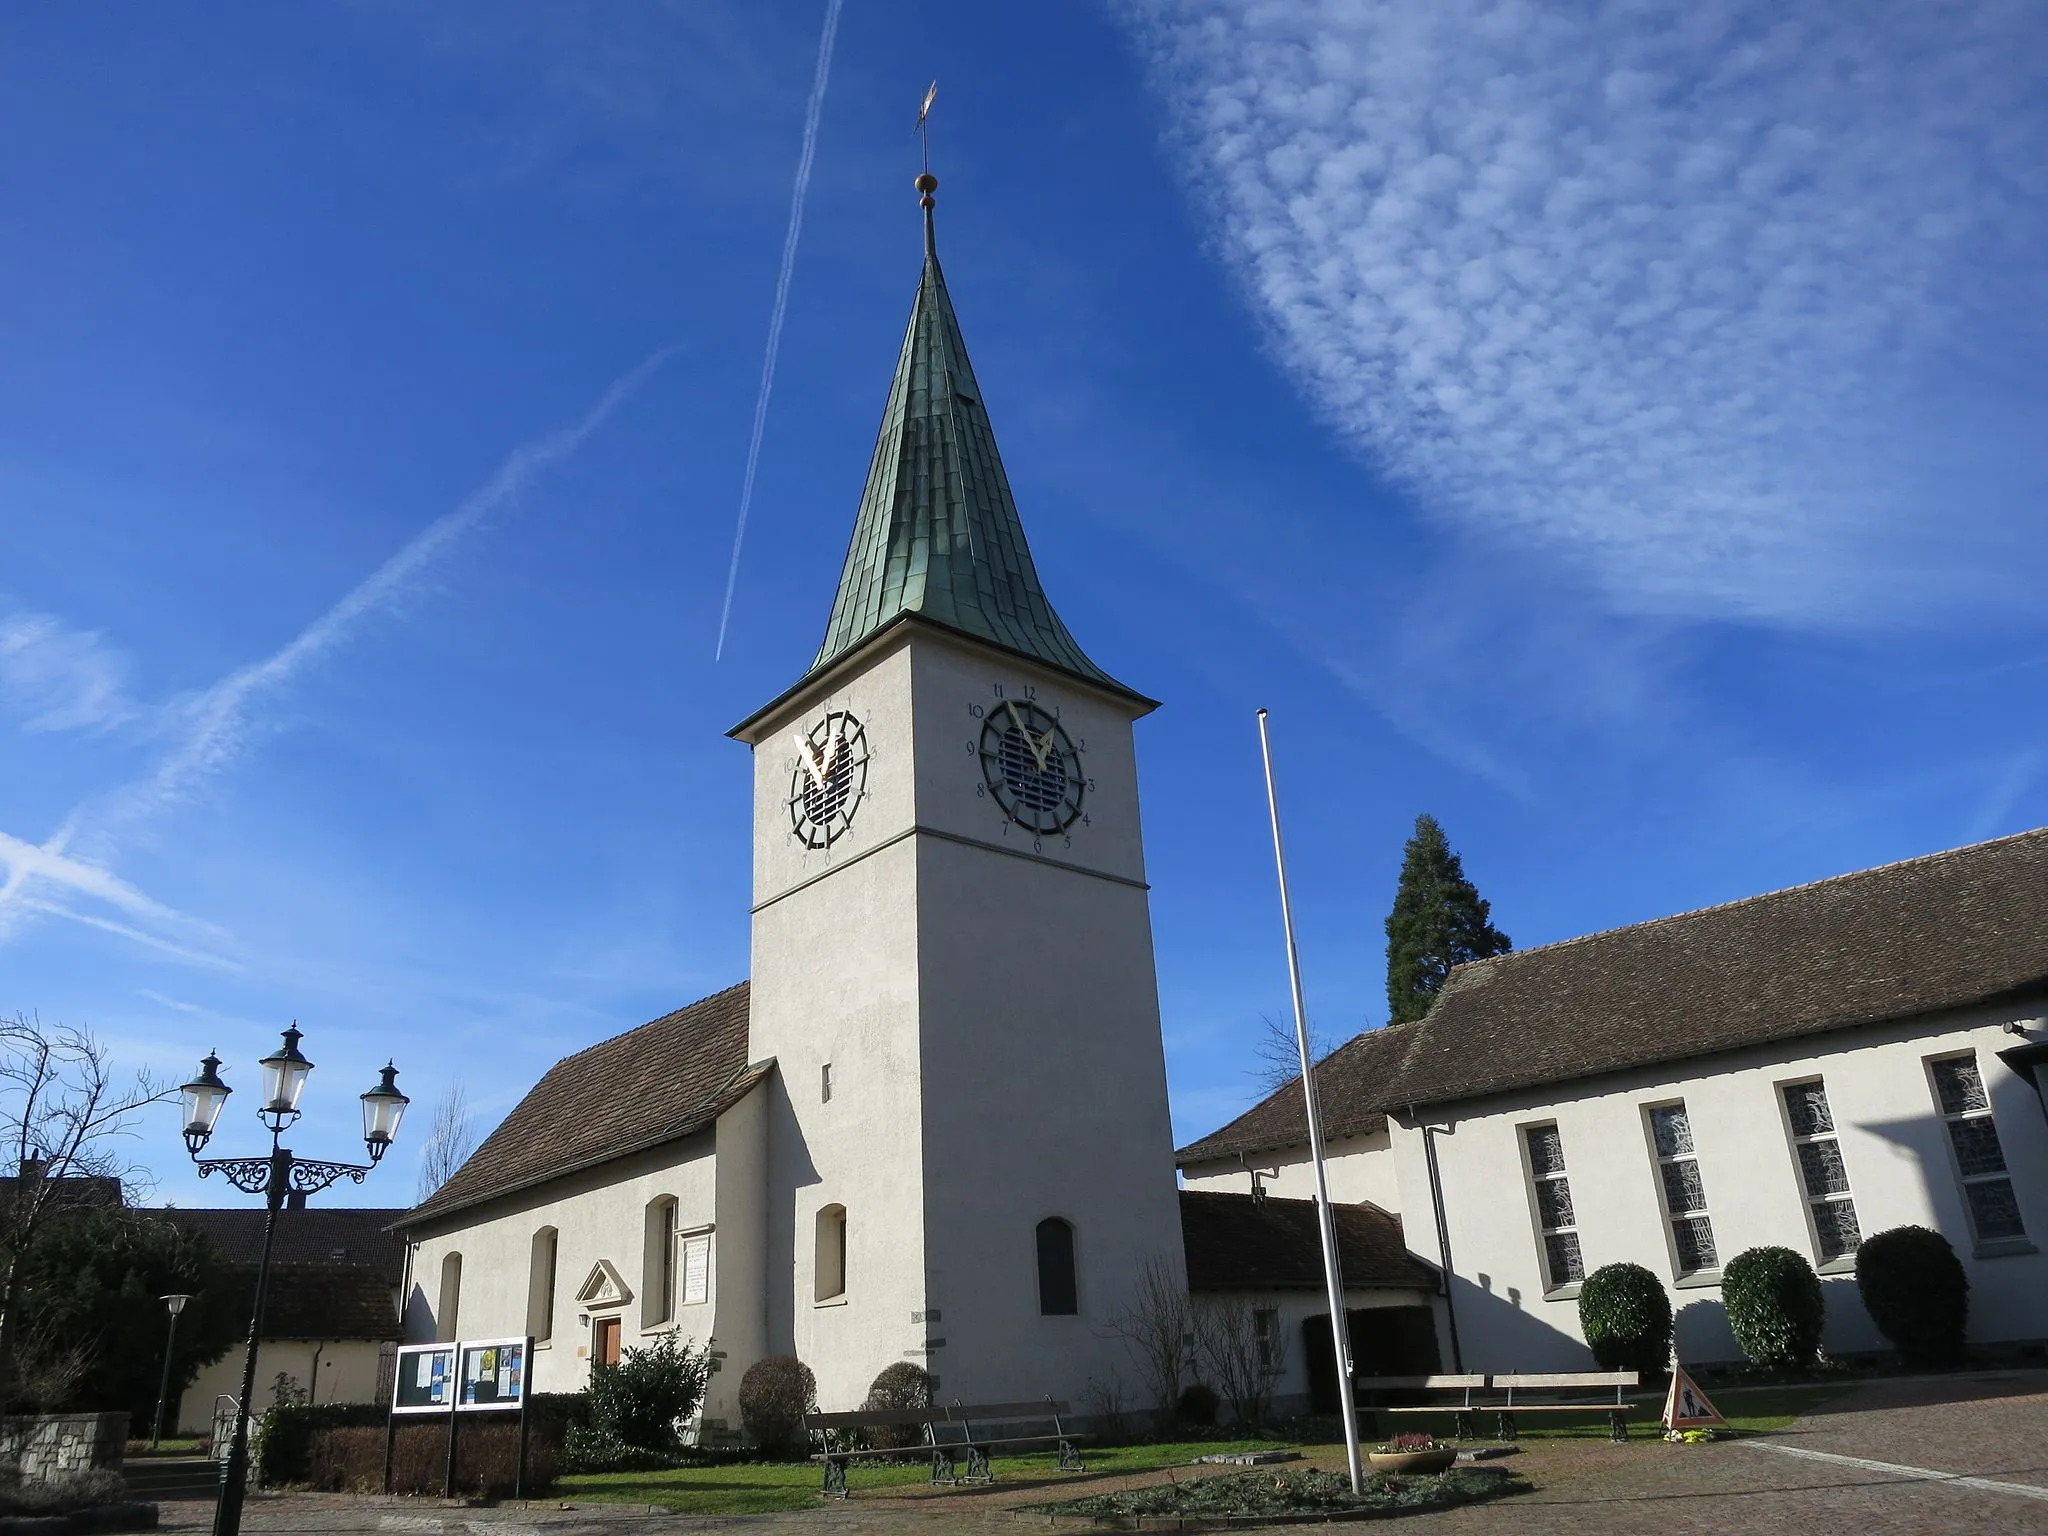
(933, 1126)
(1800, 1069)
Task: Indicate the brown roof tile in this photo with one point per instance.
(1919, 936)
(1346, 1080)
(318, 1235)
(665, 1080)
(1236, 1242)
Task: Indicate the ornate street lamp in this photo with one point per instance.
(176, 1304)
(285, 1072)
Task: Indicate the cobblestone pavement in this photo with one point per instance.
(1993, 1428)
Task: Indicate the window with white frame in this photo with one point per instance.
(1821, 1171)
(1980, 1160)
(1685, 1193)
(1557, 1224)
(1266, 1331)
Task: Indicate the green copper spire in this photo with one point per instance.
(938, 534)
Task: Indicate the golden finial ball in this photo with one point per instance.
(927, 183)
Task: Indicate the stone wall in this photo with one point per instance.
(47, 1447)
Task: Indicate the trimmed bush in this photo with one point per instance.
(1626, 1319)
(1775, 1306)
(1197, 1406)
(351, 1460)
(1915, 1290)
(281, 1441)
(905, 1385)
(775, 1394)
(643, 1401)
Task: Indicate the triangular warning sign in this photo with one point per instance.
(1686, 1406)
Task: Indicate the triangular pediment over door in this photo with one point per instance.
(603, 1287)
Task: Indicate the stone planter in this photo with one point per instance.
(1413, 1463)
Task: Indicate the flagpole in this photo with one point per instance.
(1333, 1277)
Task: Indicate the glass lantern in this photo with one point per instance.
(284, 1075)
(202, 1100)
(383, 1108)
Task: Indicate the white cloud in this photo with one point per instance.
(59, 678)
(1662, 284)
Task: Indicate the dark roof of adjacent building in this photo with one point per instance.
(663, 1081)
(938, 537)
(70, 1191)
(1346, 1080)
(1921, 936)
(1246, 1242)
(329, 1301)
(332, 1236)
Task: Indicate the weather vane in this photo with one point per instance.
(923, 133)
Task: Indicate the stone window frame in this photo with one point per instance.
(1667, 1163)
(1812, 1201)
(1955, 1114)
(1565, 1235)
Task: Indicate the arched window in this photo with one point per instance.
(447, 1316)
(1057, 1295)
(831, 1258)
(540, 1284)
(658, 1263)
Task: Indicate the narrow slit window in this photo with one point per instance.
(1557, 1224)
(1058, 1295)
(1980, 1159)
(1685, 1193)
(829, 1275)
(1821, 1170)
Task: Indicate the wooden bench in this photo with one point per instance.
(948, 1435)
(1458, 1401)
(971, 1429)
(1568, 1381)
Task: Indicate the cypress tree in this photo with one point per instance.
(1439, 920)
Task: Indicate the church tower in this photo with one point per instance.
(968, 1153)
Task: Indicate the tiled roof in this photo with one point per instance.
(325, 1301)
(1346, 1081)
(1239, 1242)
(663, 1081)
(1920, 936)
(938, 536)
(1915, 937)
(334, 1235)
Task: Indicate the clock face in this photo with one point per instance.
(827, 779)
(1031, 766)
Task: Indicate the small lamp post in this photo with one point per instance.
(176, 1304)
(285, 1071)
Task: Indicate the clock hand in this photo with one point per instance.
(1037, 751)
(831, 754)
(810, 760)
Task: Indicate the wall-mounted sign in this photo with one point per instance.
(426, 1379)
(493, 1373)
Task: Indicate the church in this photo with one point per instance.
(904, 1139)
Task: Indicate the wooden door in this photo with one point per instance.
(607, 1350)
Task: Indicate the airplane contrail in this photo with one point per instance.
(796, 224)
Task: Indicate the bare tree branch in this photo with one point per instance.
(1276, 1057)
(450, 1139)
(1159, 1327)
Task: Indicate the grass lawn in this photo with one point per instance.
(752, 1488)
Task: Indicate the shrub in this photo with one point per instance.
(281, 1442)
(904, 1385)
(1626, 1319)
(1197, 1405)
(1775, 1306)
(351, 1460)
(1915, 1290)
(775, 1394)
(642, 1401)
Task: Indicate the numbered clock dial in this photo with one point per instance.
(827, 779)
(1031, 766)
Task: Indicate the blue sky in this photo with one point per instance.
(1616, 429)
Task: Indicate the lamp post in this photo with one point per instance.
(176, 1304)
(285, 1072)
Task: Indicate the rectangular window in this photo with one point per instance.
(1685, 1194)
(1980, 1160)
(1266, 1329)
(1556, 1223)
(825, 1083)
(1812, 1124)
(693, 1264)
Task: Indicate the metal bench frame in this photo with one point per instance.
(945, 1452)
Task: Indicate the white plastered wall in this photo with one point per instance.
(598, 1214)
(1359, 1168)
(1296, 1307)
(1893, 1144)
(327, 1371)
